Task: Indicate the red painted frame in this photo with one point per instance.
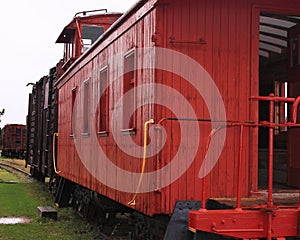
(265, 221)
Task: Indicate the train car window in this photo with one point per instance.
(86, 106)
(18, 143)
(90, 34)
(86, 44)
(46, 91)
(68, 51)
(128, 87)
(103, 112)
(18, 131)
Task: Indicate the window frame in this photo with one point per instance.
(130, 83)
(103, 131)
(86, 108)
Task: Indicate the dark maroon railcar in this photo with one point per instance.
(41, 124)
(13, 140)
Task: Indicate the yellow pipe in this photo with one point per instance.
(53, 152)
(132, 201)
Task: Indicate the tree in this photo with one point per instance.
(2, 113)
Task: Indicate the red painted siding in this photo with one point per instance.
(228, 50)
(136, 35)
(221, 25)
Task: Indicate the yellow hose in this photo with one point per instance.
(132, 201)
(53, 153)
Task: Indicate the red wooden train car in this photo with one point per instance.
(42, 104)
(13, 140)
(164, 107)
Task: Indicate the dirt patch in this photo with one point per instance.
(14, 220)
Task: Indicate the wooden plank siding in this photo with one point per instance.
(221, 57)
(229, 53)
(134, 34)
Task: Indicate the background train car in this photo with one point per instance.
(13, 140)
(126, 132)
(1, 144)
(42, 108)
(41, 124)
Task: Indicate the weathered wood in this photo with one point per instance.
(223, 38)
(47, 212)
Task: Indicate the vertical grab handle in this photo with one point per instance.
(53, 152)
(132, 201)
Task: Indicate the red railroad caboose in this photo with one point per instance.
(164, 107)
(13, 140)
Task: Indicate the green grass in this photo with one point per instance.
(16, 201)
(6, 176)
(22, 199)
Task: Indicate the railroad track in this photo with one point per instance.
(9, 167)
(17, 168)
(121, 230)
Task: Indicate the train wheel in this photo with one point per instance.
(141, 231)
(97, 214)
(53, 184)
(146, 228)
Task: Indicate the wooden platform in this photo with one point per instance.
(47, 212)
(284, 198)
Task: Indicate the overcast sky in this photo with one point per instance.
(29, 30)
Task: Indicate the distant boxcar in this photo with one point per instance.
(14, 140)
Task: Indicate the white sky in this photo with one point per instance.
(28, 33)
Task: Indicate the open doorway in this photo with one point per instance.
(278, 56)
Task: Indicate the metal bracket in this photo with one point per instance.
(178, 226)
(246, 224)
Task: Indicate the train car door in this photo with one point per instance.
(279, 73)
(294, 91)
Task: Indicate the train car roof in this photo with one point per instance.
(68, 32)
(113, 27)
(14, 124)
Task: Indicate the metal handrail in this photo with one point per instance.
(91, 11)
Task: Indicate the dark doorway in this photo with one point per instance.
(275, 58)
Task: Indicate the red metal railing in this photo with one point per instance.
(268, 219)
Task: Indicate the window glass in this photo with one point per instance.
(90, 34)
(128, 87)
(86, 106)
(103, 100)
